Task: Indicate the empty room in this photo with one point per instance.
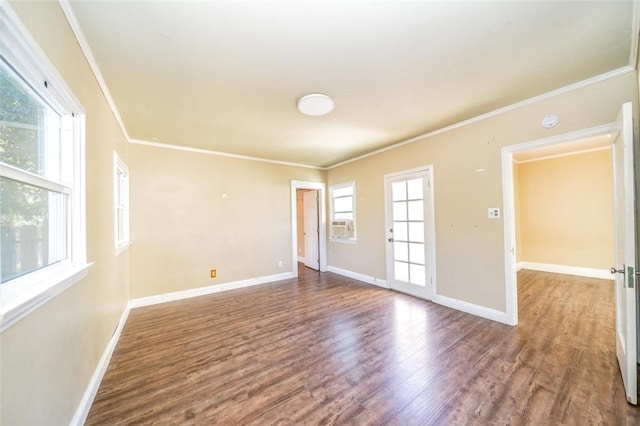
(318, 212)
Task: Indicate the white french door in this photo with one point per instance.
(410, 232)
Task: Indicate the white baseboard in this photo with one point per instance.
(82, 411)
(603, 274)
(201, 291)
(360, 277)
(470, 308)
(301, 259)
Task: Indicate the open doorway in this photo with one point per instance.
(300, 248)
(308, 216)
(588, 139)
(622, 142)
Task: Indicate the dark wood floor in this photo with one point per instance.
(324, 349)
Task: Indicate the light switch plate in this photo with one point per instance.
(494, 213)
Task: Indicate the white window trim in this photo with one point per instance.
(119, 167)
(352, 184)
(23, 295)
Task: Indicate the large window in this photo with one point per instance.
(343, 212)
(121, 202)
(42, 241)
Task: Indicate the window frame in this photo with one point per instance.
(22, 295)
(332, 212)
(121, 201)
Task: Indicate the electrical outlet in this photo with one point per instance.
(494, 213)
(280, 264)
(213, 273)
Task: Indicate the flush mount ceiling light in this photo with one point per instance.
(550, 120)
(316, 104)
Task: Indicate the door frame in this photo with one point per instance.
(322, 223)
(429, 229)
(508, 202)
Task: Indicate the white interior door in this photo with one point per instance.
(311, 258)
(410, 232)
(624, 269)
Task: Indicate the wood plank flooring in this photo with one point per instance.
(324, 349)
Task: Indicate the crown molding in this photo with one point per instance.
(569, 88)
(219, 153)
(93, 64)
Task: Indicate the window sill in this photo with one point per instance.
(122, 248)
(55, 281)
(344, 240)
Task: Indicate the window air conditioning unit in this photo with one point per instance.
(341, 228)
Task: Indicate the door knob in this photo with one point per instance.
(390, 240)
(613, 270)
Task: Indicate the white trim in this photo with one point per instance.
(89, 395)
(360, 277)
(566, 154)
(470, 308)
(219, 154)
(508, 203)
(603, 274)
(93, 64)
(526, 102)
(119, 193)
(201, 291)
(322, 222)
(301, 259)
(42, 292)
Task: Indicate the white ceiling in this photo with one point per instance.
(226, 75)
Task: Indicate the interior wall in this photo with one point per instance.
(193, 212)
(469, 246)
(566, 210)
(48, 358)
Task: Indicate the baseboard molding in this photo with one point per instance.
(82, 411)
(603, 274)
(360, 277)
(301, 259)
(201, 291)
(470, 308)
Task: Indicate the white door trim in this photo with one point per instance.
(322, 222)
(508, 203)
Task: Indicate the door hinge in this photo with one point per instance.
(630, 276)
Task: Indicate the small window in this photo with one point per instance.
(42, 214)
(121, 203)
(343, 212)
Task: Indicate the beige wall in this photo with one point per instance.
(192, 212)
(566, 210)
(48, 358)
(469, 247)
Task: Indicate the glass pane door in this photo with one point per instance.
(409, 232)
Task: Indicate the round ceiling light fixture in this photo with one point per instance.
(550, 120)
(316, 104)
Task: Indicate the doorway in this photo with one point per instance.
(297, 208)
(308, 221)
(625, 306)
(508, 179)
